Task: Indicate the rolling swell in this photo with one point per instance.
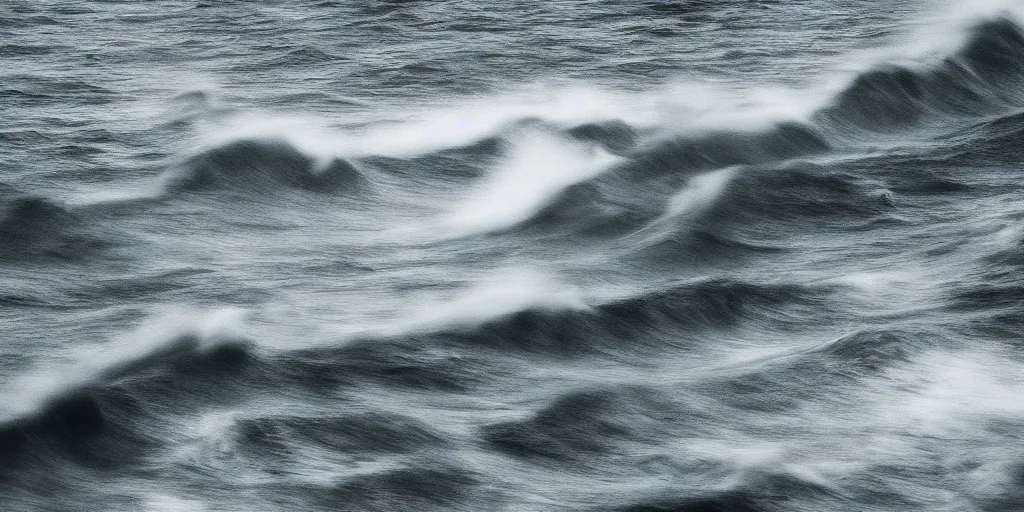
(642, 322)
(981, 78)
(796, 195)
(635, 192)
(89, 426)
(820, 371)
(615, 136)
(34, 227)
(588, 423)
(724, 149)
(977, 80)
(262, 166)
(449, 359)
(285, 444)
(107, 418)
(736, 215)
(991, 142)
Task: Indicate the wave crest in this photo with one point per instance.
(263, 166)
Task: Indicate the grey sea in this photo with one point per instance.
(456, 255)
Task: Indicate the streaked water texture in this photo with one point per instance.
(687, 256)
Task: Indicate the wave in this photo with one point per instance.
(749, 490)
(615, 136)
(797, 194)
(728, 501)
(834, 365)
(585, 171)
(10, 50)
(640, 322)
(34, 227)
(729, 148)
(514, 290)
(644, 186)
(452, 123)
(36, 90)
(639, 188)
(354, 446)
(870, 351)
(685, 208)
(91, 410)
(744, 207)
(993, 141)
(264, 166)
(701, 248)
(540, 165)
(699, 194)
(981, 78)
(584, 424)
(462, 356)
(650, 323)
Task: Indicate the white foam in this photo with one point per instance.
(541, 165)
(455, 122)
(510, 291)
(941, 28)
(895, 288)
(955, 393)
(946, 397)
(116, 196)
(694, 106)
(168, 503)
(966, 11)
(682, 105)
(700, 193)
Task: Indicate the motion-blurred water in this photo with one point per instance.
(727, 255)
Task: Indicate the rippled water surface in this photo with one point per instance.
(690, 256)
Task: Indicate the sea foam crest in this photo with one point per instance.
(170, 337)
(540, 165)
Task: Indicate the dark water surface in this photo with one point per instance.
(530, 256)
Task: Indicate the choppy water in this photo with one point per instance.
(458, 255)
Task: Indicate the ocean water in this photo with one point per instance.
(455, 255)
